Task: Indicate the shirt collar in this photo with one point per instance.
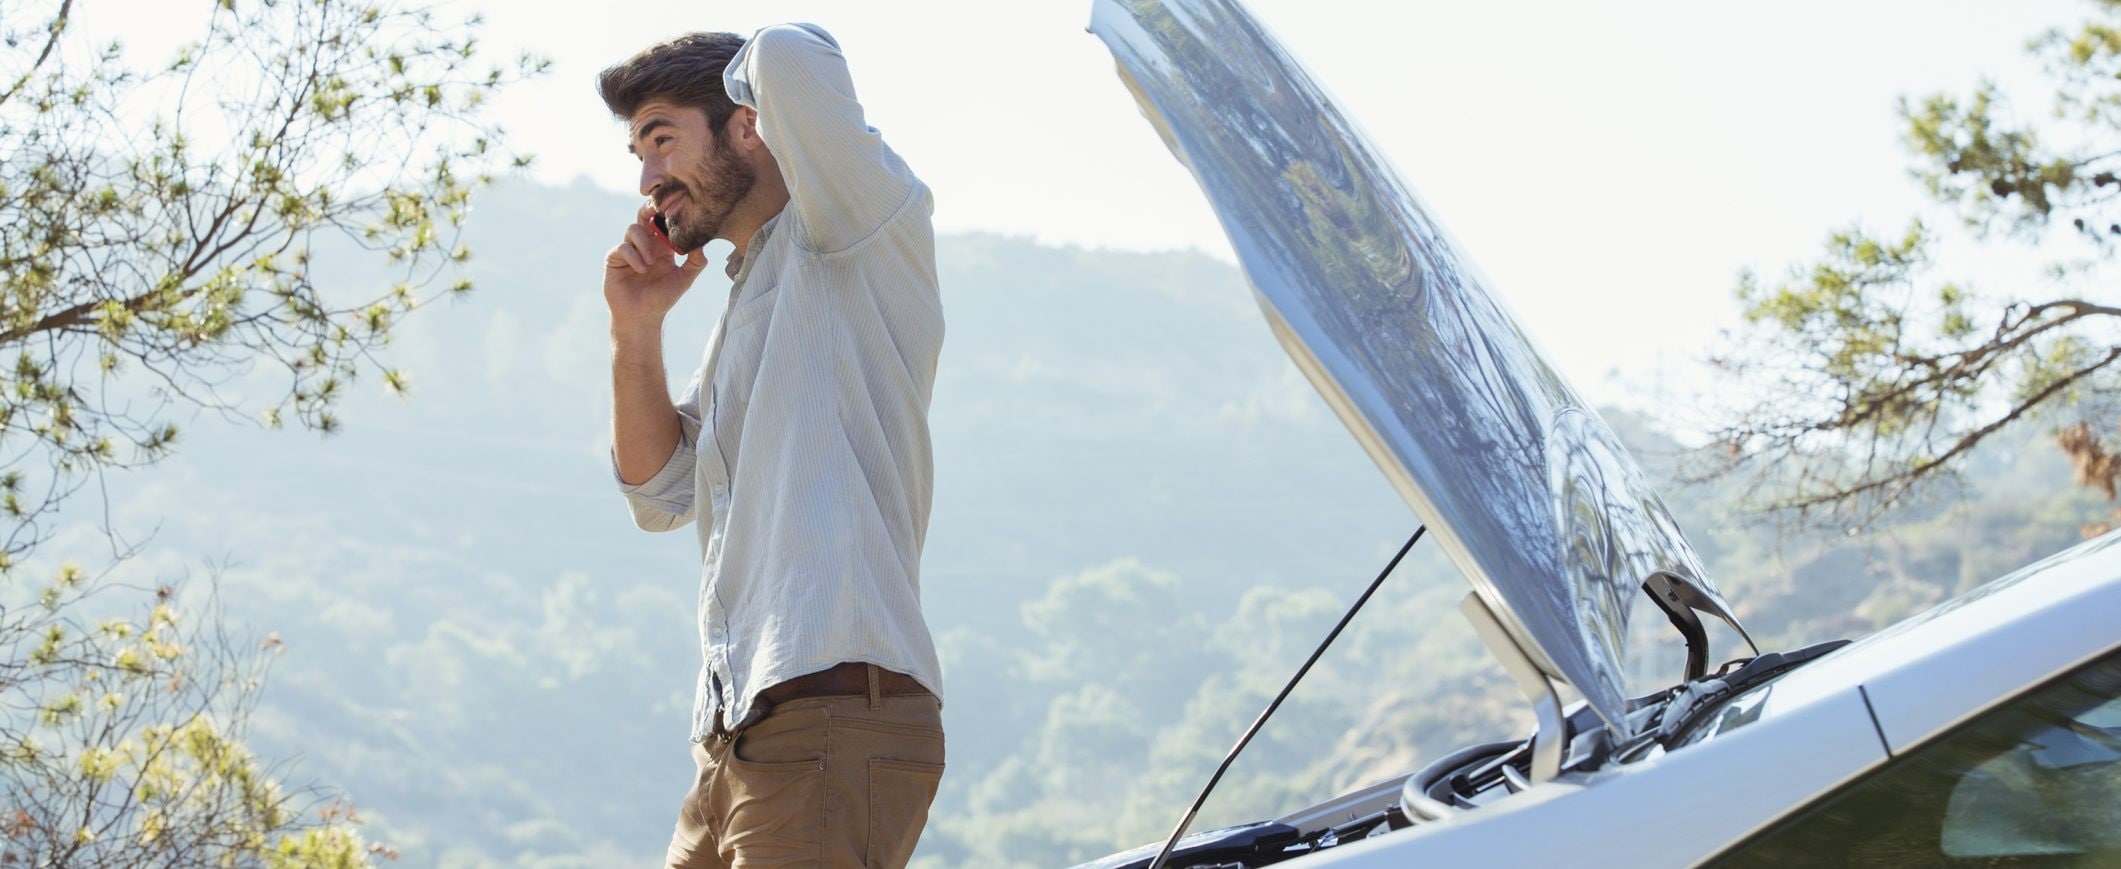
(735, 266)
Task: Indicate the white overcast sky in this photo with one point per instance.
(1610, 165)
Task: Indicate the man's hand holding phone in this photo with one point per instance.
(643, 279)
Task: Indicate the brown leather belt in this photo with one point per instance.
(851, 678)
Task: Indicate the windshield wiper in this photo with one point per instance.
(1691, 702)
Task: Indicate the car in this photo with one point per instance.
(1985, 731)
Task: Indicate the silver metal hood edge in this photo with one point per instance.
(1527, 490)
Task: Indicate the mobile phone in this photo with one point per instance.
(662, 229)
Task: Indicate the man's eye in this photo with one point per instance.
(660, 140)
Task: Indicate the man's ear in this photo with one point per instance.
(743, 128)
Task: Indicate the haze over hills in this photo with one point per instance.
(1144, 519)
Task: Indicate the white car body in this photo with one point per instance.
(1555, 529)
(1820, 727)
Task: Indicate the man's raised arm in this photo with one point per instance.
(843, 182)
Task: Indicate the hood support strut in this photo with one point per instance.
(1551, 738)
(1682, 602)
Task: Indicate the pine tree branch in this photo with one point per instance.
(56, 28)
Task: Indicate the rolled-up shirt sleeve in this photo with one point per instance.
(843, 181)
(665, 502)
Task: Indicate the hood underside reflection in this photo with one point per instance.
(1527, 490)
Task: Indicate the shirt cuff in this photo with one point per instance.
(669, 490)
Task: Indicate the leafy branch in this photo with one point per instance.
(142, 272)
(1870, 375)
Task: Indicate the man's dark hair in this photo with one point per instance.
(686, 71)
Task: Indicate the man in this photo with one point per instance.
(800, 450)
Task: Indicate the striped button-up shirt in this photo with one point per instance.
(804, 451)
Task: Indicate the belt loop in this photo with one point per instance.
(876, 689)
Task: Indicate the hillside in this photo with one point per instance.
(1144, 519)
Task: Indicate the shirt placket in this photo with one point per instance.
(714, 620)
(714, 483)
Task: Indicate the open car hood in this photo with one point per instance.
(1526, 489)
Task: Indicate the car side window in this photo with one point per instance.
(2035, 782)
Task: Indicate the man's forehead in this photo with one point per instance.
(656, 112)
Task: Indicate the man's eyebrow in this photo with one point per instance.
(651, 126)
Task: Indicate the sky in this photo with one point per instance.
(1611, 167)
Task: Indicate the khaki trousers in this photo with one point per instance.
(819, 781)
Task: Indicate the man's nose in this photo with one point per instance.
(651, 175)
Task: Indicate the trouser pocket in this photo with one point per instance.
(900, 792)
(772, 789)
(890, 762)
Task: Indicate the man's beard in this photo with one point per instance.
(725, 181)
